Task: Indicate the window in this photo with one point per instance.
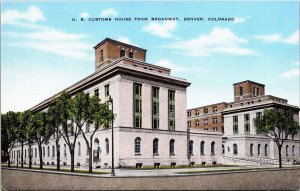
(257, 91)
(205, 129)
(258, 150)
(222, 119)
(215, 109)
(155, 108)
(293, 150)
(215, 120)
(137, 145)
(197, 112)
(247, 123)
(205, 110)
(205, 121)
(235, 149)
(53, 151)
(96, 92)
(171, 102)
(48, 149)
(35, 153)
(130, 54)
(155, 146)
(44, 152)
(172, 147)
(197, 122)
(223, 149)
(25, 153)
(189, 123)
(266, 150)
(107, 145)
(215, 128)
(106, 90)
(241, 91)
(87, 127)
(202, 148)
(65, 150)
(235, 125)
(253, 93)
(101, 55)
(212, 149)
(191, 147)
(79, 149)
(251, 149)
(122, 53)
(188, 113)
(287, 150)
(137, 105)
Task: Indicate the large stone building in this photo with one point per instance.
(150, 106)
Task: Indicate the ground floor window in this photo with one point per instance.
(251, 149)
(235, 149)
(137, 145)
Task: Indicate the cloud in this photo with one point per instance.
(175, 68)
(32, 14)
(163, 30)
(292, 73)
(110, 12)
(239, 20)
(47, 39)
(124, 40)
(84, 15)
(272, 38)
(218, 41)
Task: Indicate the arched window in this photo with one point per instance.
(258, 149)
(44, 152)
(107, 145)
(137, 145)
(235, 149)
(223, 149)
(191, 147)
(48, 149)
(155, 146)
(14, 154)
(25, 153)
(53, 151)
(130, 54)
(287, 150)
(122, 53)
(202, 148)
(251, 149)
(35, 152)
(96, 141)
(266, 150)
(212, 148)
(172, 147)
(293, 150)
(65, 150)
(79, 149)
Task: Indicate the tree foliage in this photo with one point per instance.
(277, 124)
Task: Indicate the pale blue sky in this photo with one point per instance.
(43, 51)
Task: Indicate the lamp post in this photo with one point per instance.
(112, 138)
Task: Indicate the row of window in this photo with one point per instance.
(202, 148)
(155, 107)
(122, 54)
(235, 123)
(138, 142)
(205, 111)
(197, 122)
(255, 91)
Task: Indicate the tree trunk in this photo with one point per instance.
(30, 156)
(279, 153)
(90, 159)
(22, 146)
(41, 155)
(8, 154)
(72, 159)
(57, 155)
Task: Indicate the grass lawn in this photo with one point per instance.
(54, 169)
(178, 167)
(223, 170)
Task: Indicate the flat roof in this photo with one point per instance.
(249, 82)
(118, 42)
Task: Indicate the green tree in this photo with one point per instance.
(23, 119)
(29, 135)
(277, 124)
(9, 126)
(57, 114)
(97, 113)
(42, 131)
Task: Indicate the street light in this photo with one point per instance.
(112, 137)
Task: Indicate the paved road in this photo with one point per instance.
(274, 180)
